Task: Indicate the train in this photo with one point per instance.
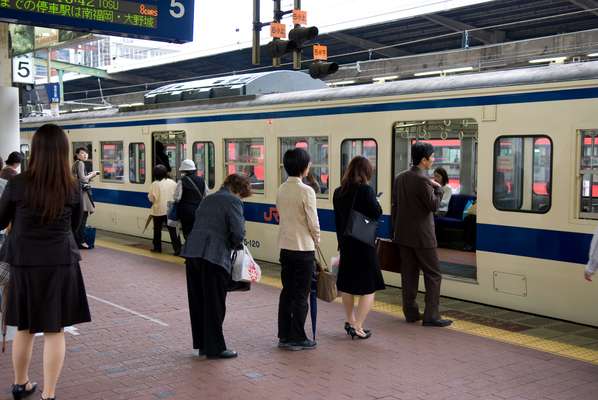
(522, 143)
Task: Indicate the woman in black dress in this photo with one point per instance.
(46, 290)
(359, 270)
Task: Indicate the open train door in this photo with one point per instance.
(169, 148)
(455, 151)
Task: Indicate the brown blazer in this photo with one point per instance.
(414, 202)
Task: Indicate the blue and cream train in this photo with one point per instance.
(524, 142)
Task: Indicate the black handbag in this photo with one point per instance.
(360, 227)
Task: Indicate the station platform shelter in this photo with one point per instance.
(138, 345)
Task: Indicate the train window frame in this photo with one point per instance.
(549, 185)
(327, 165)
(102, 160)
(375, 174)
(583, 171)
(211, 181)
(227, 163)
(137, 163)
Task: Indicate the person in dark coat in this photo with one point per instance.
(190, 191)
(12, 165)
(87, 204)
(415, 199)
(219, 228)
(359, 270)
(46, 290)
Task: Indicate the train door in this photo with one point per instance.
(455, 167)
(169, 148)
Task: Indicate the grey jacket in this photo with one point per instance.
(218, 229)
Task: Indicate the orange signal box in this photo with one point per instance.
(299, 17)
(320, 52)
(278, 30)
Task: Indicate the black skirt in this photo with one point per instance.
(359, 270)
(46, 298)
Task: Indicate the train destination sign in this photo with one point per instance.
(163, 20)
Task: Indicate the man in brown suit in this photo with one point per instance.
(414, 200)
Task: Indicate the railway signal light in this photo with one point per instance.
(320, 69)
(297, 38)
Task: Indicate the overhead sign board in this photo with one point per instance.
(23, 69)
(163, 20)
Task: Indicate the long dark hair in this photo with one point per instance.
(358, 172)
(50, 184)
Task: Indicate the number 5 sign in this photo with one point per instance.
(23, 69)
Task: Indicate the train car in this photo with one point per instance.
(522, 144)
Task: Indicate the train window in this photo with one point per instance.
(522, 173)
(88, 146)
(367, 148)
(246, 156)
(588, 172)
(137, 162)
(25, 154)
(317, 147)
(203, 156)
(111, 163)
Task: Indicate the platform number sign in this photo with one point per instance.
(23, 70)
(177, 9)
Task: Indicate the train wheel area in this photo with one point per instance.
(139, 345)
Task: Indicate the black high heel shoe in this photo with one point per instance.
(366, 334)
(20, 391)
(348, 328)
(47, 398)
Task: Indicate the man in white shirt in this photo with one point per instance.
(592, 265)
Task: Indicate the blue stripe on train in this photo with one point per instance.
(554, 95)
(527, 242)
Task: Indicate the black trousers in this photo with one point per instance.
(297, 268)
(470, 230)
(159, 222)
(414, 260)
(206, 290)
(80, 232)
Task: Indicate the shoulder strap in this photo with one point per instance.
(195, 186)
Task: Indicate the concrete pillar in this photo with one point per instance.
(9, 100)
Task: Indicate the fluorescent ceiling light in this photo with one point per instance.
(101, 108)
(427, 73)
(555, 60)
(385, 78)
(461, 69)
(343, 83)
(593, 55)
(136, 104)
(79, 109)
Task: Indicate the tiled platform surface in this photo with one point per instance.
(138, 347)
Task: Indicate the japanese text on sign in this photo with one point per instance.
(320, 52)
(299, 17)
(109, 11)
(278, 30)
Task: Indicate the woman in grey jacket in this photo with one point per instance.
(84, 179)
(218, 229)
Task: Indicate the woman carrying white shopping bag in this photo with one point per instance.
(219, 228)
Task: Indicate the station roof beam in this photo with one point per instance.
(368, 44)
(484, 36)
(586, 5)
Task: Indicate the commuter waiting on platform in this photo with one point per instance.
(359, 270)
(46, 291)
(298, 236)
(161, 192)
(190, 191)
(219, 228)
(441, 177)
(592, 265)
(13, 162)
(84, 180)
(415, 199)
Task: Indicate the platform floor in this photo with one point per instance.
(139, 345)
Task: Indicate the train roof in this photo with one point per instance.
(517, 77)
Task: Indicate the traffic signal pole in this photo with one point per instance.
(257, 28)
(277, 18)
(297, 52)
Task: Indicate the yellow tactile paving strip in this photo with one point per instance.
(555, 337)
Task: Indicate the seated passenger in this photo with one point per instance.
(311, 181)
(13, 162)
(470, 222)
(219, 228)
(441, 177)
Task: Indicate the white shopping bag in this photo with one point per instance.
(334, 263)
(245, 269)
